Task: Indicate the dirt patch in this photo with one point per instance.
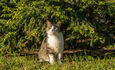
(91, 52)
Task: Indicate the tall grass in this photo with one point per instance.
(69, 63)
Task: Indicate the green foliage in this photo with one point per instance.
(77, 63)
(22, 23)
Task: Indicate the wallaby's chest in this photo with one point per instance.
(56, 43)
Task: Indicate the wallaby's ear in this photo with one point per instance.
(48, 23)
(59, 24)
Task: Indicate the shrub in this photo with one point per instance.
(23, 23)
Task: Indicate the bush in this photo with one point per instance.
(23, 23)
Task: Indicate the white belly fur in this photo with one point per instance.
(56, 42)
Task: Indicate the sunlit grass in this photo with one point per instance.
(69, 63)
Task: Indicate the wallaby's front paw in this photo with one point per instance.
(59, 62)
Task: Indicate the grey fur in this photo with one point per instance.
(53, 45)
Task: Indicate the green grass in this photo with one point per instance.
(69, 63)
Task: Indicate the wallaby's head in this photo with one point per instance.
(53, 29)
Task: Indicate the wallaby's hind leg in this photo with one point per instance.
(43, 57)
(40, 60)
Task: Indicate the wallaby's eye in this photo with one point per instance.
(55, 29)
